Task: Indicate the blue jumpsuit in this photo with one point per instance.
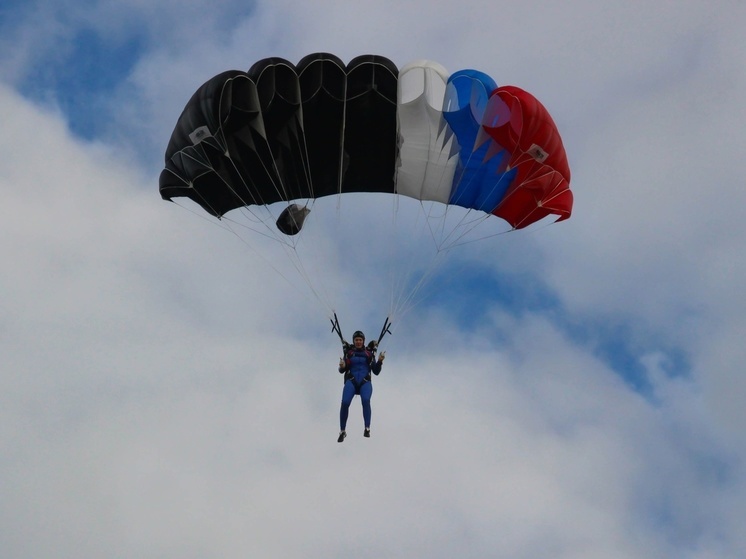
(359, 364)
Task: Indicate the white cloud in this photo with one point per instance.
(163, 393)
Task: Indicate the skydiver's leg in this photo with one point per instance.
(348, 393)
(366, 391)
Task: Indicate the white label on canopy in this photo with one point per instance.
(538, 153)
(199, 134)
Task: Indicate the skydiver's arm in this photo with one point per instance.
(375, 365)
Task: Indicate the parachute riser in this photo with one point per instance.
(385, 330)
(336, 328)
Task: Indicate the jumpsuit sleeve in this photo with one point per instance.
(375, 365)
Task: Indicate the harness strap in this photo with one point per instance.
(348, 374)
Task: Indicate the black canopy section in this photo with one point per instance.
(370, 125)
(323, 81)
(284, 132)
(196, 164)
(279, 96)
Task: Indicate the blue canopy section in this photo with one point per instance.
(480, 180)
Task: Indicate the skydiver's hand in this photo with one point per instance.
(341, 363)
(382, 357)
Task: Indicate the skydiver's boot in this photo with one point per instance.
(342, 435)
(366, 433)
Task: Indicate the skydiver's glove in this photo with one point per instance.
(372, 345)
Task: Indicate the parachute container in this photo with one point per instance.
(291, 219)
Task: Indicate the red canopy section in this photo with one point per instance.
(521, 125)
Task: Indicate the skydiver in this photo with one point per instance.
(357, 365)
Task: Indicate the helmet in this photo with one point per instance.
(358, 334)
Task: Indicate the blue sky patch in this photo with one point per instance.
(469, 293)
(620, 345)
(93, 69)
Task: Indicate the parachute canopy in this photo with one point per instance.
(283, 132)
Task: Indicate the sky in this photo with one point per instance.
(570, 391)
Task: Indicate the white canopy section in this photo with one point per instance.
(428, 150)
